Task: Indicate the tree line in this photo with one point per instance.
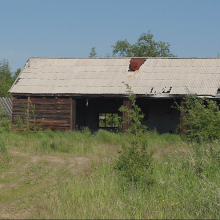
(145, 46)
(7, 78)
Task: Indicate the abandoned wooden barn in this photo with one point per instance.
(71, 93)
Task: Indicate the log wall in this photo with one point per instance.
(19, 107)
(54, 113)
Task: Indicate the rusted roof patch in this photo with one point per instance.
(135, 63)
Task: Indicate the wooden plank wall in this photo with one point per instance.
(19, 106)
(53, 112)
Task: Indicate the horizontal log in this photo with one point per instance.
(50, 103)
(48, 99)
(46, 124)
(18, 113)
(52, 112)
(39, 116)
(20, 102)
(58, 115)
(19, 105)
(49, 111)
(18, 109)
(51, 107)
(17, 99)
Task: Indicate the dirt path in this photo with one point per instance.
(27, 176)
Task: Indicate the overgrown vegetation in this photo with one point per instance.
(134, 161)
(29, 122)
(202, 118)
(71, 175)
(80, 174)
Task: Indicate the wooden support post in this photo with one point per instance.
(28, 112)
(28, 107)
(128, 104)
(72, 114)
(183, 127)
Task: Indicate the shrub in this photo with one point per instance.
(134, 161)
(202, 118)
(29, 123)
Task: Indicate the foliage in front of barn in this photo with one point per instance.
(202, 118)
(134, 161)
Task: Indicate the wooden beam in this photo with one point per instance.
(72, 114)
(28, 107)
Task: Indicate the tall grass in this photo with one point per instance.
(186, 177)
(179, 192)
(72, 142)
(186, 186)
(4, 154)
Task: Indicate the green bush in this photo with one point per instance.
(134, 161)
(135, 165)
(202, 118)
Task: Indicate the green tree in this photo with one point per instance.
(93, 52)
(145, 46)
(16, 73)
(7, 78)
(135, 161)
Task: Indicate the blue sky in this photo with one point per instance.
(70, 28)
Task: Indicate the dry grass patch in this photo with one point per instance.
(29, 175)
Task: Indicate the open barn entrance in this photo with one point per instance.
(102, 113)
(98, 113)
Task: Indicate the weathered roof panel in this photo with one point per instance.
(6, 105)
(175, 76)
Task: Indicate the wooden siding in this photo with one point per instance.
(19, 106)
(53, 112)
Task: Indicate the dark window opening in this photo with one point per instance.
(108, 120)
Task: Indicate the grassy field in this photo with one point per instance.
(71, 175)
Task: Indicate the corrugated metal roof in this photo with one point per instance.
(6, 104)
(105, 76)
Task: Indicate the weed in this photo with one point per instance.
(134, 161)
(29, 123)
